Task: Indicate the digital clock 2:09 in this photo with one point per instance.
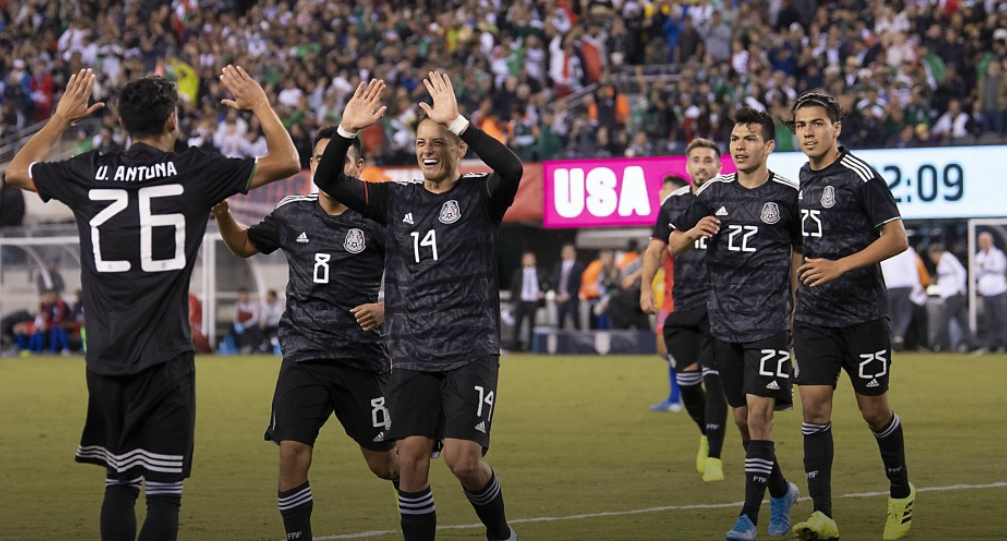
(930, 183)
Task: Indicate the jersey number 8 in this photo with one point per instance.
(148, 221)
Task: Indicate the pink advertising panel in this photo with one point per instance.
(607, 193)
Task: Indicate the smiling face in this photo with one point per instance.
(438, 151)
(817, 135)
(749, 148)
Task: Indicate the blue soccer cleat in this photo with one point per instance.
(743, 530)
(779, 517)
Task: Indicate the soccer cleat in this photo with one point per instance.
(667, 405)
(818, 527)
(513, 535)
(743, 530)
(714, 470)
(702, 454)
(900, 515)
(779, 516)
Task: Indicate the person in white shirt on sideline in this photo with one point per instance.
(953, 281)
(902, 279)
(991, 278)
(272, 311)
(528, 288)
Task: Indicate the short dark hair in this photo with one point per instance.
(747, 115)
(814, 98)
(676, 181)
(145, 105)
(699, 142)
(327, 132)
(936, 248)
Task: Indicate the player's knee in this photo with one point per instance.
(876, 417)
(464, 465)
(294, 456)
(384, 466)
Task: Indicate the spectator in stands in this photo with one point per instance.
(953, 281)
(528, 286)
(51, 279)
(991, 277)
(272, 311)
(993, 85)
(953, 125)
(566, 279)
(609, 284)
(245, 327)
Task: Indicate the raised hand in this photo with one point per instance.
(364, 108)
(73, 105)
(248, 93)
(445, 109)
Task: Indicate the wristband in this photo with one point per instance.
(458, 125)
(344, 133)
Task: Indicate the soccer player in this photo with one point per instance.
(687, 327)
(661, 287)
(333, 360)
(441, 297)
(850, 224)
(751, 226)
(142, 214)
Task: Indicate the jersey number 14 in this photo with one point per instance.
(148, 221)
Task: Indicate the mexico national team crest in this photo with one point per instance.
(450, 212)
(770, 213)
(829, 197)
(355, 241)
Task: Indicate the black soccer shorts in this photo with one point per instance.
(864, 351)
(308, 392)
(454, 404)
(142, 424)
(760, 368)
(687, 337)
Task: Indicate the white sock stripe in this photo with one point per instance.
(486, 497)
(759, 470)
(710, 372)
(759, 461)
(132, 482)
(418, 511)
(285, 506)
(688, 379)
(294, 496)
(424, 497)
(138, 457)
(896, 423)
(419, 505)
(809, 429)
(163, 491)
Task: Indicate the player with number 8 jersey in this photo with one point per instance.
(142, 214)
(442, 296)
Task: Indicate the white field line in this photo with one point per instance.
(380, 533)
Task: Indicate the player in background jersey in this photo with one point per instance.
(751, 225)
(442, 297)
(333, 361)
(850, 223)
(142, 214)
(687, 327)
(661, 287)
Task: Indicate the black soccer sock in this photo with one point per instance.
(163, 501)
(118, 510)
(758, 469)
(419, 516)
(295, 507)
(778, 485)
(893, 453)
(693, 397)
(489, 505)
(818, 465)
(716, 411)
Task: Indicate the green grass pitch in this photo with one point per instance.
(572, 440)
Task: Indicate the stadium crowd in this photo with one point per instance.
(908, 73)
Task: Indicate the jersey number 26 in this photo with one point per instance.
(148, 221)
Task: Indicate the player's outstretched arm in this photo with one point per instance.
(509, 171)
(363, 110)
(235, 234)
(281, 160)
(71, 109)
(893, 241)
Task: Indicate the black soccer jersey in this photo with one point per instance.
(749, 261)
(335, 264)
(843, 208)
(691, 288)
(442, 293)
(141, 215)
